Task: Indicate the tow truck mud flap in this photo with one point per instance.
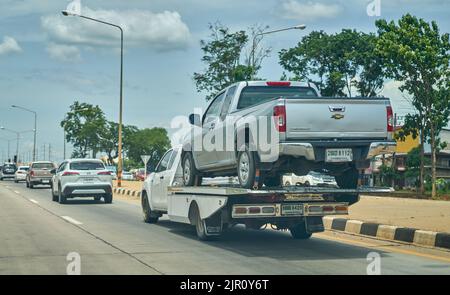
(213, 224)
(314, 224)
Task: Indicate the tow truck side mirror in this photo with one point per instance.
(53, 171)
(194, 119)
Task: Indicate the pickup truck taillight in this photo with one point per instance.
(279, 114)
(70, 173)
(390, 119)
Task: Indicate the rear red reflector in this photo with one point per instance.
(254, 210)
(279, 114)
(104, 173)
(328, 208)
(69, 173)
(341, 208)
(282, 83)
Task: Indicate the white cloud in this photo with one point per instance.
(65, 53)
(9, 45)
(160, 31)
(308, 11)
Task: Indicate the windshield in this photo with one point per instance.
(24, 168)
(10, 166)
(253, 95)
(43, 166)
(87, 166)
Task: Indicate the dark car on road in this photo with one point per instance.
(8, 170)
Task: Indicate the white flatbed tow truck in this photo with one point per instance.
(215, 207)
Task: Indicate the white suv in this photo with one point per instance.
(81, 178)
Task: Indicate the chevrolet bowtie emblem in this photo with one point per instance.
(337, 116)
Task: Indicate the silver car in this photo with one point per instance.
(81, 178)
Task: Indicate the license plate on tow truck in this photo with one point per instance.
(338, 155)
(292, 209)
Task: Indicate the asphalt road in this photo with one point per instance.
(37, 234)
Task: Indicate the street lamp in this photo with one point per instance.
(119, 168)
(299, 27)
(35, 127)
(18, 138)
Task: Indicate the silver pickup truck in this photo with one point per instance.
(261, 130)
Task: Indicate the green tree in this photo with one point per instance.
(224, 56)
(336, 63)
(109, 142)
(84, 124)
(415, 53)
(153, 142)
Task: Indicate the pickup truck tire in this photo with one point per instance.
(147, 214)
(27, 184)
(299, 231)
(31, 185)
(191, 177)
(348, 179)
(246, 169)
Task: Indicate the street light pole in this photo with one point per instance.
(119, 168)
(35, 127)
(18, 138)
(299, 27)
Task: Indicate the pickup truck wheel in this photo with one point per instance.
(191, 177)
(348, 179)
(307, 184)
(287, 183)
(246, 169)
(299, 232)
(27, 184)
(31, 185)
(147, 213)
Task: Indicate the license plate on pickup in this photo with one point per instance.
(292, 209)
(338, 155)
(45, 181)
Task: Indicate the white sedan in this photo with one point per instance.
(21, 174)
(310, 179)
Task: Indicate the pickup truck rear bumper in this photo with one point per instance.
(314, 151)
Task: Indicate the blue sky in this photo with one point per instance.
(47, 61)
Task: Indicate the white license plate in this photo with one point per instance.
(292, 209)
(88, 179)
(338, 155)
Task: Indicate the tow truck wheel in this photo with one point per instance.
(147, 214)
(273, 181)
(299, 231)
(191, 176)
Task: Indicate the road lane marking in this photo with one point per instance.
(17, 192)
(34, 201)
(71, 220)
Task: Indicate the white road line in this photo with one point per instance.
(71, 220)
(34, 201)
(17, 192)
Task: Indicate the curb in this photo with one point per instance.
(126, 192)
(389, 232)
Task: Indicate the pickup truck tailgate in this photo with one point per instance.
(336, 118)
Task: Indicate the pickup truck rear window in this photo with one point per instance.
(86, 166)
(253, 95)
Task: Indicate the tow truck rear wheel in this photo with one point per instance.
(191, 177)
(272, 181)
(299, 231)
(348, 179)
